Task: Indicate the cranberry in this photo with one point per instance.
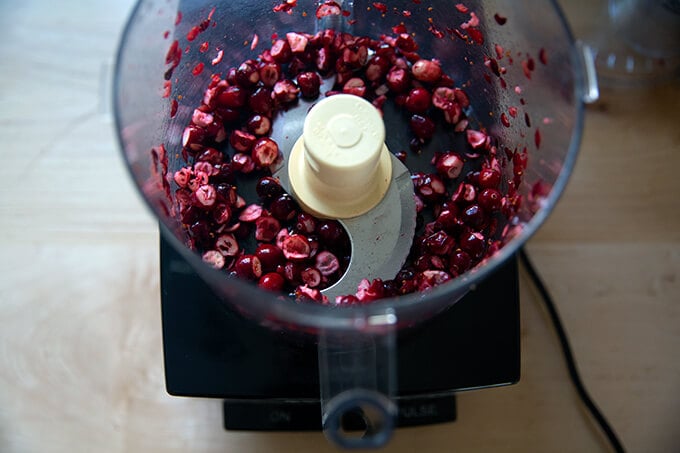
(221, 214)
(205, 196)
(354, 58)
(306, 293)
(202, 119)
(193, 137)
(355, 86)
(268, 188)
(370, 291)
(489, 178)
(430, 278)
(243, 163)
(473, 243)
(490, 200)
(212, 156)
(418, 100)
(422, 127)
(284, 208)
(247, 74)
(459, 262)
(311, 277)
(265, 152)
(261, 101)
(270, 74)
(348, 299)
(327, 263)
(449, 165)
(182, 177)
(296, 247)
(251, 213)
(292, 271)
(214, 258)
(297, 42)
(330, 231)
(398, 80)
(227, 245)
(477, 139)
(427, 71)
(306, 223)
(405, 42)
(439, 243)
(323, 60)
(259, 125)
(285, 92)
(272, 282)
(474, 217)
(309, 83)
(429, 187)
(377, 68)
(242, 141)
(270, 256)
(444, 98)
(281, 52)
(248, 267)
(266, 228)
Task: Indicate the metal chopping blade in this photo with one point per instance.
(380, 239)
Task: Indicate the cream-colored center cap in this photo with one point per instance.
(340, 167)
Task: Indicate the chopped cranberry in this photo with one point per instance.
(311, 277)
(473, 243)
(221, 214)
(284, 208)
(266, 228)
(206, 196)
(477, 139)
(261, 101)
(270, 74)
(214, 258)
(296, 247)
(398, 80)
(422, 127)
(248, 267)
(268, 188)
(270, 256)
(430, 278)
(281, 52)
(330, 231)
(377, 68)
(306, 293)
(355, 86)
(285, 91)
(450, 165)
(474, 217)
(489, 178)
(309, 83)
(241, 141)
(490, 200)
(370, 291)
(265, 152)
(272, 282)
(182, 176)
(459, 262)
(259, 124)
(306, 223)
(202, 119)
(427, 71)
(227, 245)
(439, 243)
(242, 163)
(418, 100)
(193, 137)
(297, 42)
(251, 213)
(327, 263)
(247, 74)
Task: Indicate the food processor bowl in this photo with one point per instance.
(526, 81)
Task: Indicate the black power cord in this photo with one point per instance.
(568, 355)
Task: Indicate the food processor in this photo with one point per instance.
(323, 359)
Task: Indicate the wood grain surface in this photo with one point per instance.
(81, 365)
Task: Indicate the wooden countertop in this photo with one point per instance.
(80, 344)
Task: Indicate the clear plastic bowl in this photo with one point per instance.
(552, 98)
